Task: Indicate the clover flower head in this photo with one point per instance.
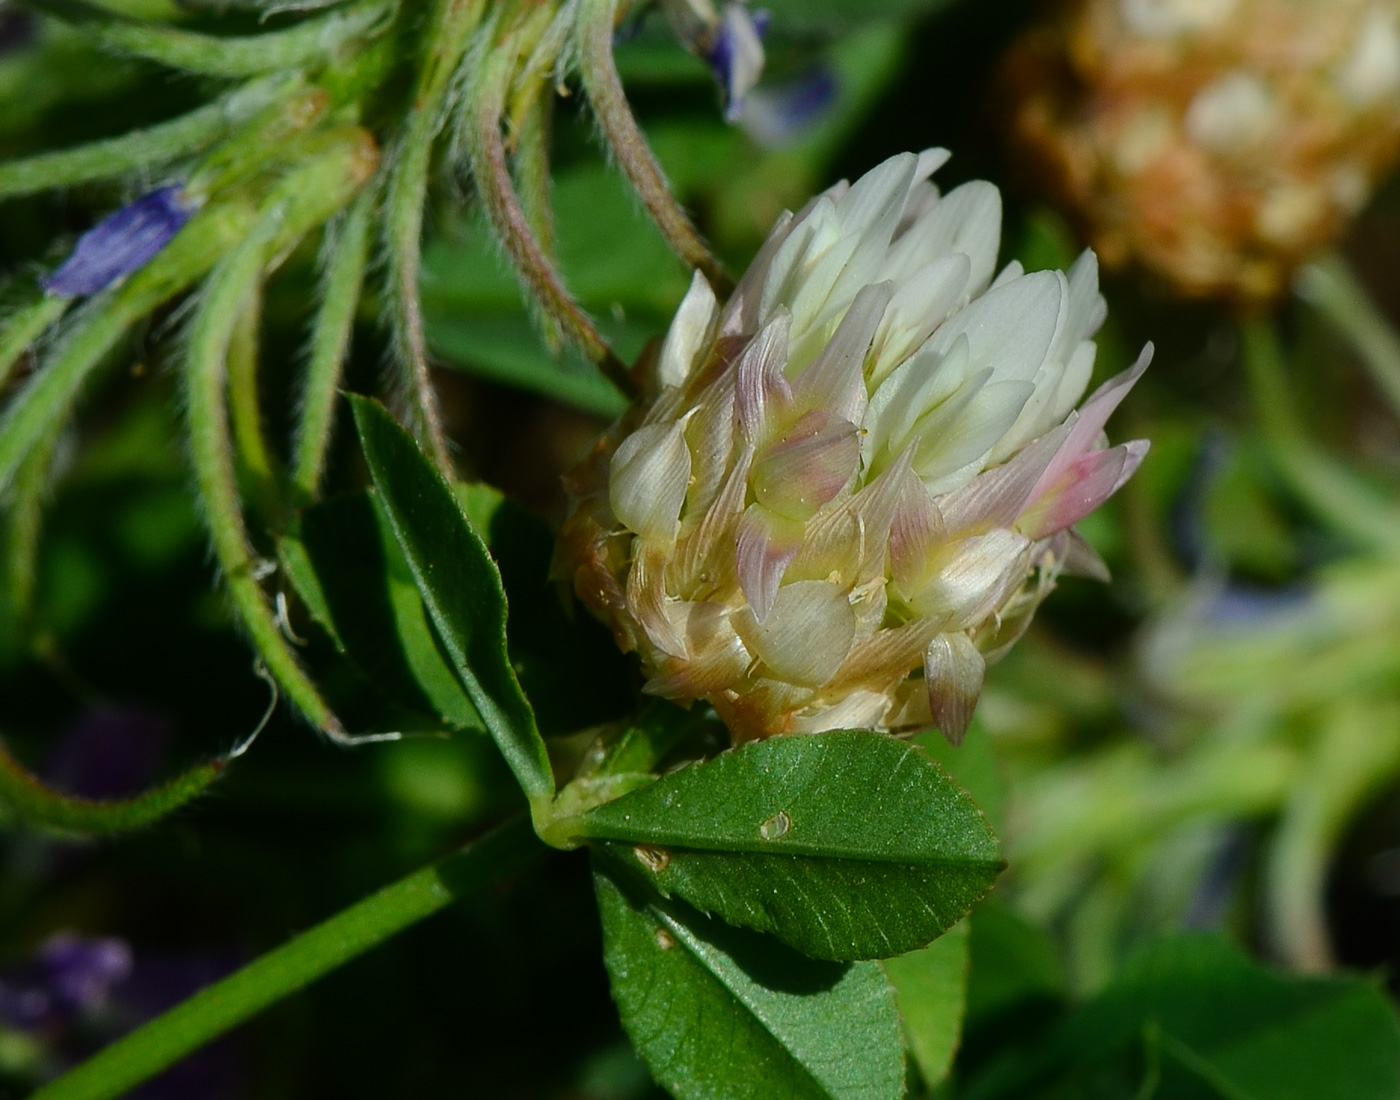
(853, 481)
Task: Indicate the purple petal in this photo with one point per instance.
(121, 242)
(775, 117)
(737, 55)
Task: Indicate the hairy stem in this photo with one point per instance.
(347, 253)
(302, 200)
(629, 146)
(486, 97)
(447, 38)
(140, 149)
(49, 395)
(291, 967)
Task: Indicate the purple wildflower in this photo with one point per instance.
(736, 55)
(121, 242)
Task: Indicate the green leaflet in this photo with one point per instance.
(930, 988)
(461, 589)
(347, 568)
(845, 845)
(719, 1013)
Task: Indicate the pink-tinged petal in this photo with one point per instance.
(953, 672)
(718, 655)
(807, 633)
(761, 388)
(997, 497)
(1087, 483)
(648, 478)
(807, 465)
(1094, 414)
(764, 546)
(835, 379)
(689, 332)
(915, 535)
(710, 435)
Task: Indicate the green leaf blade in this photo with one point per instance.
(845, 845)
(719, 1013)
(460, 587)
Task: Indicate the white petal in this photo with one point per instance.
(920, 305)
(761, 388)
(764, 546)
(835, 379)
(967, 220)
(1010, 328)
(648, 478)
(958, 436)
(688, 333)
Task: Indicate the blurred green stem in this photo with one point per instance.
(140, 149)
(1334, 290)
(1357, 753)
(24, 511)
(287, 969)
(1328, 487)
(23, 327)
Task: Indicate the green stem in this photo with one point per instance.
(23, 327)
(25, 511)
(1357, 755)
(267, 136)
(627, 143)
(140, 149)
(50, 394)
(532, 132)
(1328, 487)
(310, 42)
(35, 804)
(301, 201)
(347, 255)
(449, 33)
(245, 409)
(293, 966)
(1330, 286)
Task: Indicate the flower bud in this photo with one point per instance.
(1217, 143)
(856, 479)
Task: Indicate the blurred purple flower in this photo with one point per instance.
(121, 242)
(111, 752)
(775, 117)
(69, 976)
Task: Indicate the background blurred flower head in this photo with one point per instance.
(1218, 143)
(856, 479)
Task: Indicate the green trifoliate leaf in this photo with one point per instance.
(720, 1013)
(845, 845)
(460, 587)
